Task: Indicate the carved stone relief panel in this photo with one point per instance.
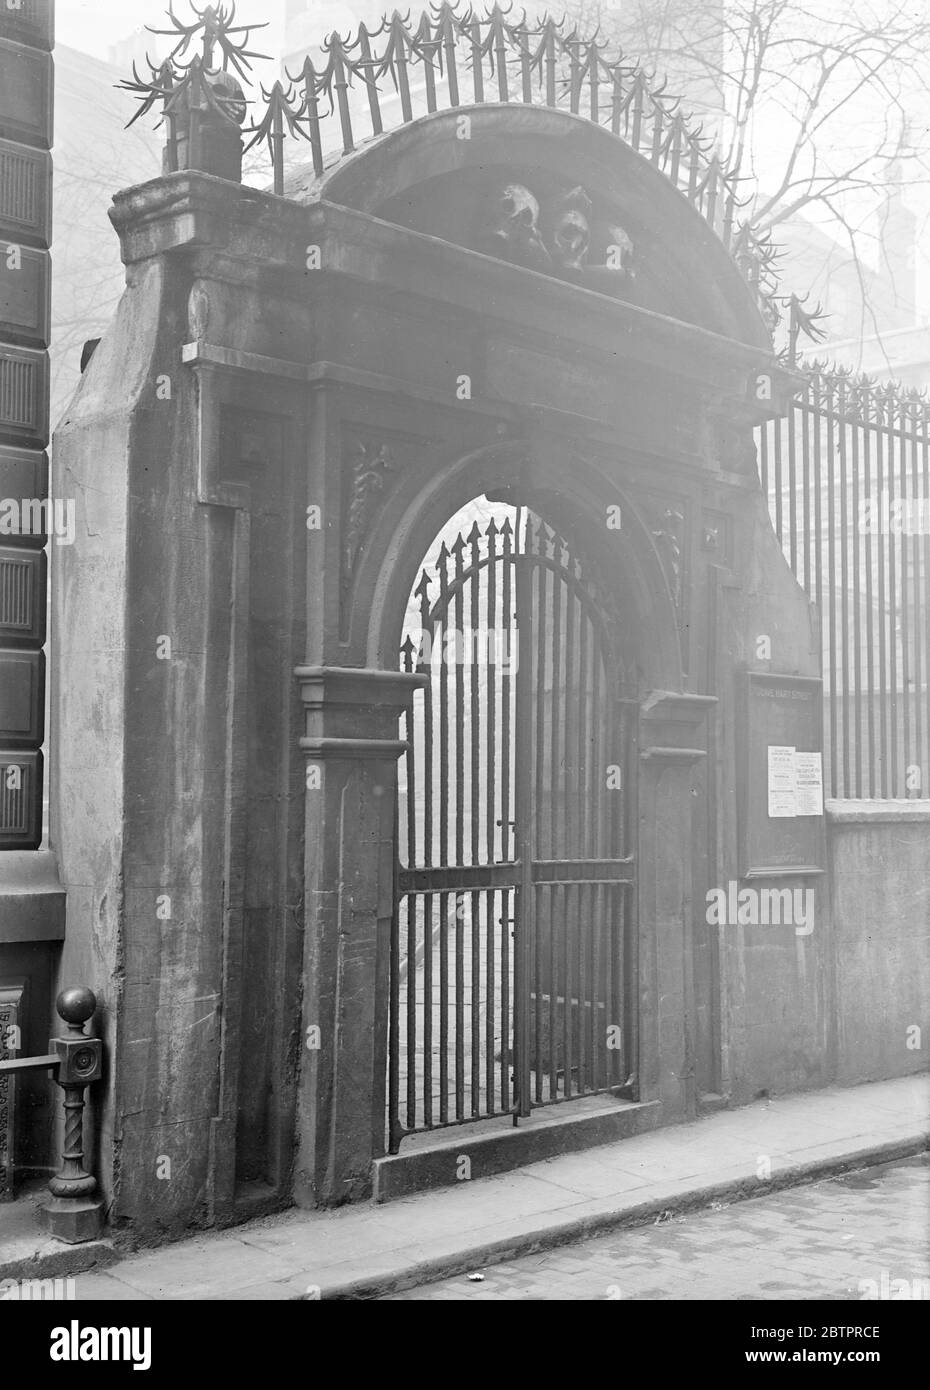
(559, 234)
(666, 519)
(715, 536)
(371, 462)
(10, 1046)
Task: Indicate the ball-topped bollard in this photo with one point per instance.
(74, 1211)
(76, 1006)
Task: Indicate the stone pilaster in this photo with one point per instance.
(351, 747)
(673, 746)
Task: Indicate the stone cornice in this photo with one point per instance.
(261, 233)
(323, 687)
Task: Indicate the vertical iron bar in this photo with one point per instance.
(694, 172)
(583, 823)
(574, 78)
(814, 397)
(427, 50)
(394, 1126)
(616, 825)
(870, 613)
(566, 838)
(444, 1008)
(498, 630)
(526, 64)
(556, 775)
(549, 62)
(544, 917)
(901, 451)
(555, 665)
(844, 611)
(452, 74)
(312, 101)
(445, 849)
(888, 405)
(427, 628)
(882, 571)
(556, 896)
(428, 1010)
(503, 91)
(474, 792)
(835, 395)
(495, 636)
(477, 59)
(525, 827)
(855, 734)
(616, 99)
(793, 492)
(367, 66)
(411, 1001)
(637, 130)
(341, 83)
(412, 902)
(779, 483)
(458, 605)
(490, 966)
(508, 814)
(399, 66)
(922, 506)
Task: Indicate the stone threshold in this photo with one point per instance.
(443, 1158)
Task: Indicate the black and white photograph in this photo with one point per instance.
(464, 673)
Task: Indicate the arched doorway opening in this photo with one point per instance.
(513, 969)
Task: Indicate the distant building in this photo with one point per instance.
(94, 158)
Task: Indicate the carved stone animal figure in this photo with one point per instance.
(513, 229)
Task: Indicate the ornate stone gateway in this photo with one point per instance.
(530, 300)
(510, 961)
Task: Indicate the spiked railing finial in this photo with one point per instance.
(451, 45)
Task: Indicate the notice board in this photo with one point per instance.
(780, 775)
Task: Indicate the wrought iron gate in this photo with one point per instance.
(512, 949)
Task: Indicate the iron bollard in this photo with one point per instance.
(73, 1213)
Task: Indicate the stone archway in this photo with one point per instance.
(328, 413)
(352, 739)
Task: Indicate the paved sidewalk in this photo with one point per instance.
(374, 1250)
(849, 1237)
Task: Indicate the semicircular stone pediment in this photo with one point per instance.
(546, 191)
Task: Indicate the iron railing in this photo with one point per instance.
(847, 478)
(73, 1212)
(451, 57)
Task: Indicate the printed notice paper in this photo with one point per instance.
(783, 783)
(795, 782)
(809, 772)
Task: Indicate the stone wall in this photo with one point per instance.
(879, 856)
